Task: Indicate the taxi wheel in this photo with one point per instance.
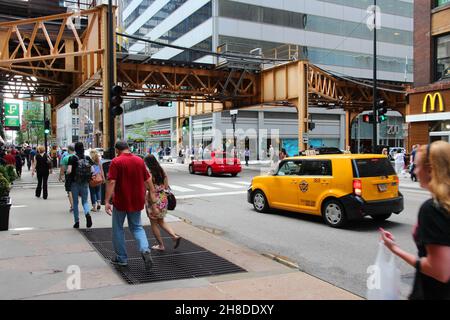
(334, 214)
(381, 217)
(191, 169)
(209, 172)
(260, 202)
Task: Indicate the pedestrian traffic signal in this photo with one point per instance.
(164, 103)
(382, 110)
(368, 118)
(116, 101)
(47, 127)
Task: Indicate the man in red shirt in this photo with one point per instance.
(128, 179)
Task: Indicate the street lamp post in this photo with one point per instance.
(45, 131)
(375, 118)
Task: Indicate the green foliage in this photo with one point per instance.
(5, 186)
(142, 130)
(4, 172)
(11, 171)
(20, 138)
(35, 132)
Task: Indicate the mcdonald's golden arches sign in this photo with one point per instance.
(431, 101)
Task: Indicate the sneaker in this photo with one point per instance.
(99, 207)
(116, 262)
(93, 209)
(148, 261)
(88, 221)
(76, 225)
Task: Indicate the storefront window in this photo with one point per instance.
(443, 57)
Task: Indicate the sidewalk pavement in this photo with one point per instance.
(40, 249)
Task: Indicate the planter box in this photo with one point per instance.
(5, 206)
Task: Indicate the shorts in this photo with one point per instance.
(68, 184)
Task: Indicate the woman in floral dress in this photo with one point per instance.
(161, 184)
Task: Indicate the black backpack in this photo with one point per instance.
(83, 173)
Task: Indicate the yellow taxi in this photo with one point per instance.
(339, 187)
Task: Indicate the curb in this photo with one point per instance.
(283, 260)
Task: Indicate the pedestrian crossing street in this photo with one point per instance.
(213, 186)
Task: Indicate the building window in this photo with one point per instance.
(441, 2)
(443, 57)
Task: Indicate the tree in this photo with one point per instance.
(141, 130)
(20, 139)
(34, 117)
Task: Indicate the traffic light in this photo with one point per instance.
(47, 127)
(381, 110)
(311, 126)
(368, 118)
(164, 103)
(116, 101)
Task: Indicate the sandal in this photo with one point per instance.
(177, 242)
(158, 247)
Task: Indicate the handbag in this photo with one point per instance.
(96, 180)
(172, 201)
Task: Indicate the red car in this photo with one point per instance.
(216, 163)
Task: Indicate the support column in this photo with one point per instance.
(106, 90)
(348, 128)
(302, 104)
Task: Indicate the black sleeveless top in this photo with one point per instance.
(42, 165)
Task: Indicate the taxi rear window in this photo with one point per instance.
(375, 167)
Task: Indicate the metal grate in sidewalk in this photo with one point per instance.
(187, 261)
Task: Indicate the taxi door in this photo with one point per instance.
(283, 192)
(315, 182)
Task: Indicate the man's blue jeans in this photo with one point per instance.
(135, 225)
(80, 189)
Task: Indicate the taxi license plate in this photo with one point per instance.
(382, 187)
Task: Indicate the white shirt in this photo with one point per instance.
(399, 158)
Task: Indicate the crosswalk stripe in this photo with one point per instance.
(245, 183)
(228, 185)
(180, 189)
(204, 186)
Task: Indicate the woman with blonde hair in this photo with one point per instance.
(42, 166)
(97, 169)
(432, 232)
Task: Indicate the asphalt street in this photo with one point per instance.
(338, 256)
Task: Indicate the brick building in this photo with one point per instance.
(428, 114)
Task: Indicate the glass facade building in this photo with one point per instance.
(333, 34)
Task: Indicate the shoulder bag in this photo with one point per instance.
(172, 201)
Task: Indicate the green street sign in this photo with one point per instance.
(12, 119)
(37, 122)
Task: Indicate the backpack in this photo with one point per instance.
(83, 173)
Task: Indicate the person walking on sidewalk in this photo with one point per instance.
(128, 179)
(63, 176)
(246, 156)
(27, 155)
(432, 231)
(97, 169)
(42, 167)
(19, 163)
(157, 210)
(79, 172)
(399, 159)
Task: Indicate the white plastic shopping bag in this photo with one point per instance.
(384, 276)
